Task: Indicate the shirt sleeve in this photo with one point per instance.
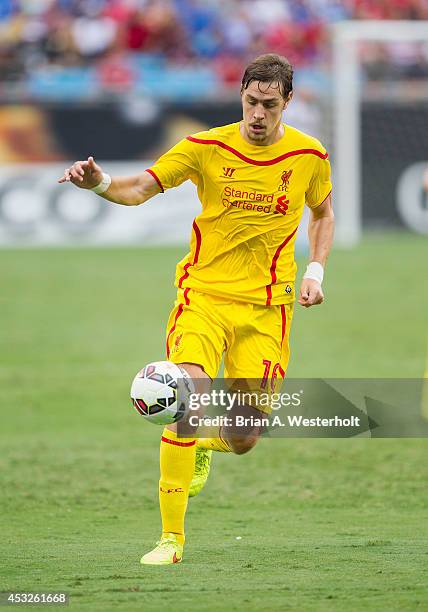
(320, 184)
(176, 165)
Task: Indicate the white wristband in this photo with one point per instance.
(103, 185)
(315, 271)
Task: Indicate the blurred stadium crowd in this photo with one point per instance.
(81, 48)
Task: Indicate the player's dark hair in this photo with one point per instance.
(270, 68)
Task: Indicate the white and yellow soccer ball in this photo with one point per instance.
(160, 392)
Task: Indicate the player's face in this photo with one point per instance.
(262, 105)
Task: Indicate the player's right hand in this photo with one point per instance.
(83, 174)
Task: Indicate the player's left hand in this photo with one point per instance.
(310, 293)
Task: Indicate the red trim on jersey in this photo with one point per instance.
(273, 268)
(284, 323)
(179, 312)
(185, 275)
(196, 257)
(281, 371)
(176, 443)
(329, 194)
(257, 162)
(157, 179)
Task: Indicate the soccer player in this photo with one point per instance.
(236, 287)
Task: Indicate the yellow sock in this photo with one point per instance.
(216, 444)
(177, 464)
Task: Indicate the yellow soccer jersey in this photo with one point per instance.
(242, 244)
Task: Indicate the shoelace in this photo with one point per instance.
(203, 460)
(165, 541)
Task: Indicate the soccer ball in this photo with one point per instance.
(160, 392)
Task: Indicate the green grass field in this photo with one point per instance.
(324, 524)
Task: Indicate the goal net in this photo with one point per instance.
(380, 126)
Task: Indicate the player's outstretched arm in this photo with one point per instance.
(126, 190)
(320, 230)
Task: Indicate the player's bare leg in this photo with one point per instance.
(243, 438)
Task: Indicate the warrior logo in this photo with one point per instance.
(228, 172)
(285, 178)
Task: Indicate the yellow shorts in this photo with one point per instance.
(254, 338)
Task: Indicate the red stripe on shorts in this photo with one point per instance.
(284, 323)
(179, 312)
(185, 295)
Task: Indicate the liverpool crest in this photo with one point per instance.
(285, 179)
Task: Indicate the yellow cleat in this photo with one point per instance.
(168, 550)
(202, 469)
